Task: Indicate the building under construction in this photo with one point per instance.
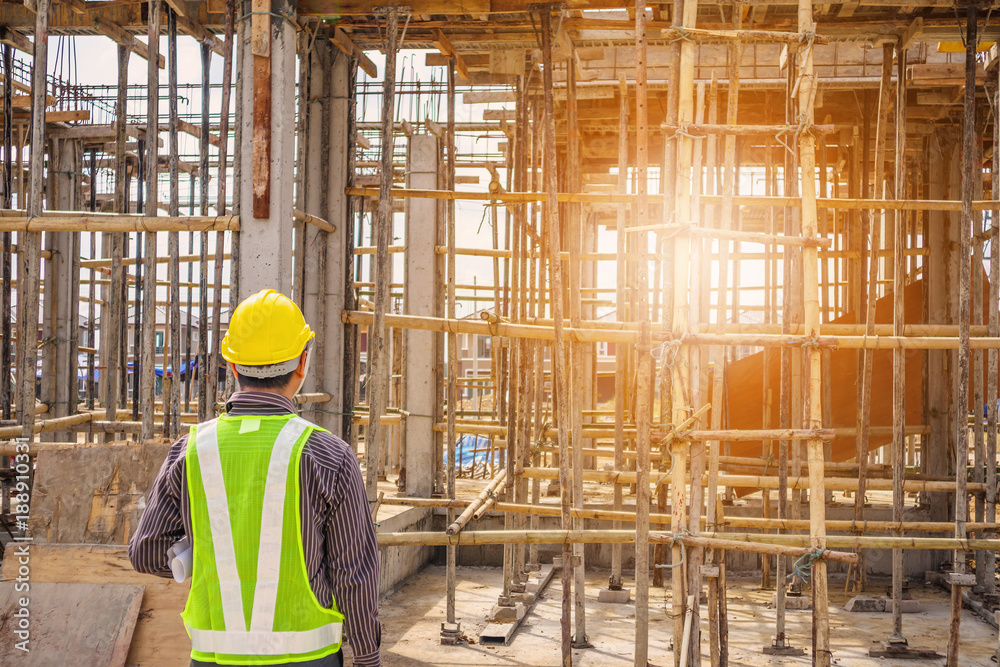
(665, 333)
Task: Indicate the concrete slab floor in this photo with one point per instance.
(412, 620)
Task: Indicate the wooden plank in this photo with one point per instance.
(444, 46)
(488, 96)
(343, 42)
(195, 131)
(120, 35)
(198, 31)
(911, 33)
(16, 39)
(70, 116)
(78, 6)
(159, 638)
(260, 43)
(93, 623)
(93, 493)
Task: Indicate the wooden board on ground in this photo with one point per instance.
(84, 624)
(93, 493)
(159, 639)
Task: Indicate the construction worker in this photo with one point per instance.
(284, 555)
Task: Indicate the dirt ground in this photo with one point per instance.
(412, 619)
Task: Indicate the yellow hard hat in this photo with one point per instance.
(265, 329)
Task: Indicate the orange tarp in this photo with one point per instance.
(746, 385)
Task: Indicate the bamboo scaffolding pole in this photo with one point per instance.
(754, 541)
(183, 259)
(679, 359)
(843, 203)
(764, 481)
(833, 525)
(309, 219)
(204, 402)
(595, 335)
(85, 222)
(560, 389)
(486, 494)
(728, 234)
(734, 130)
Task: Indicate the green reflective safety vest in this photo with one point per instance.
(251, 602)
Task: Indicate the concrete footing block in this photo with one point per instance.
(869, 604)
(512, 614)
(796, 602)
(527, 599)
(621, 596)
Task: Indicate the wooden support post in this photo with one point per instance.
(621, 385)
(173, 396)
(260, 46)
(220, 209)
(560, 384)
(6, 345)
(147, 362)
(969, 168)
(993, 368)
(378, 368)
(875, 226)
(898, 356)
(644, 361)
(205, 408)
(577, 351)
(451, 578)
(112, 334)
(28, 290)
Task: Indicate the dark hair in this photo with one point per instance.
(274, 382)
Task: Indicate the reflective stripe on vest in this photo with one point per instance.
(260, 639)
(265, 643)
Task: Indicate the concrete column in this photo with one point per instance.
(60, 303)
(941, 282)
(423, 287)
(265, 256)
(326, 134)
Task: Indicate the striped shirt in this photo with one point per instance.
(338, 535)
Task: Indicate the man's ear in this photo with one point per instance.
(300, 370)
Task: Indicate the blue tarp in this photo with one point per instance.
(467, 457)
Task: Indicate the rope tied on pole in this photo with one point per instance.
(802, 568)
(680, 34)
(677, 540)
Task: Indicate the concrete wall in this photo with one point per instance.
(400, 563)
